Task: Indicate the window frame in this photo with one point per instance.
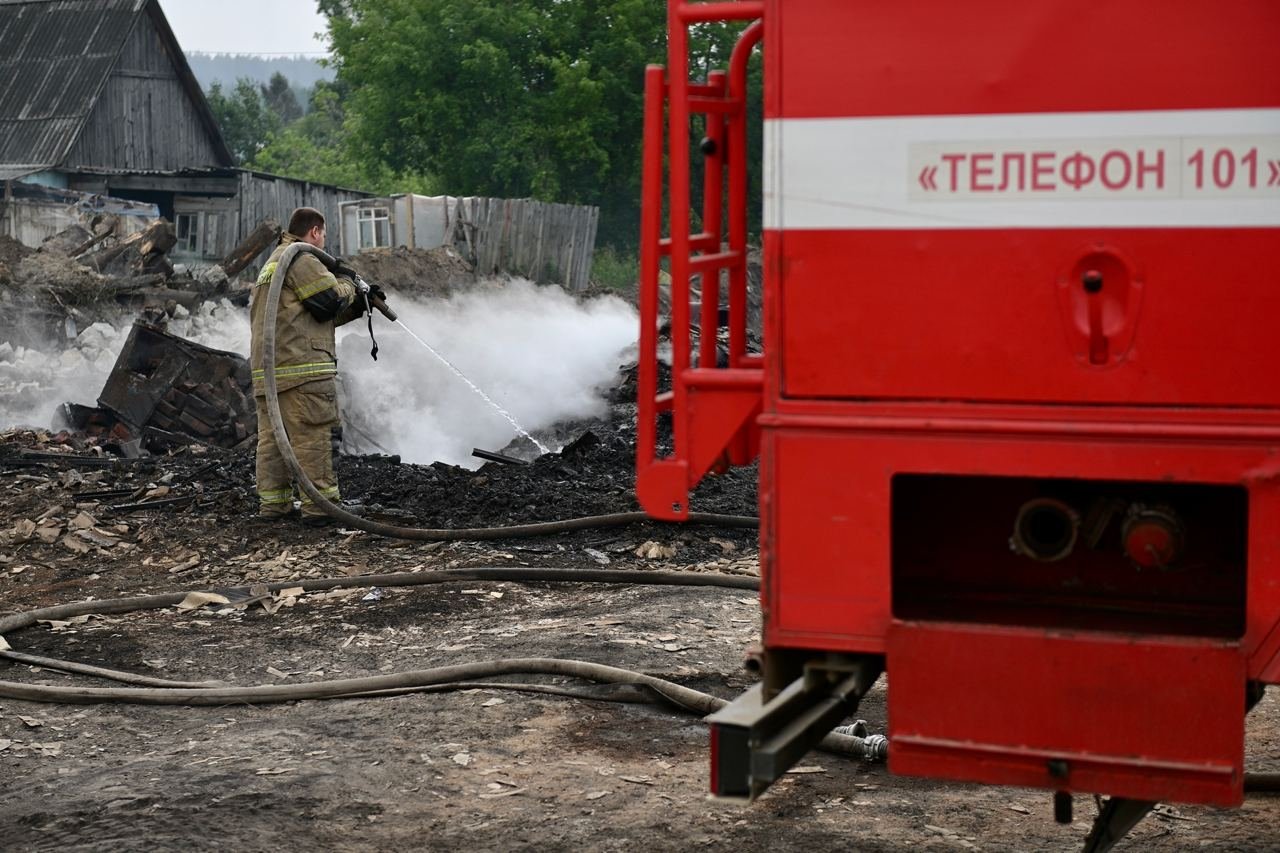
(373, 227)
(190, 243)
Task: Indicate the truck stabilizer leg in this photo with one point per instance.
(754, 742)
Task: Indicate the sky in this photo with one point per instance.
(246, 26)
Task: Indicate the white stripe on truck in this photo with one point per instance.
(1165, 169)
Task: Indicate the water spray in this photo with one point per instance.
(456, 372)
(373, 299)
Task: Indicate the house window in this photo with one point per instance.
(375, 226)
(188, 228)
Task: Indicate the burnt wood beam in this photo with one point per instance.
(258, 241)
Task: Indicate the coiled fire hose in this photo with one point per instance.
(516, 531)
(162, 692)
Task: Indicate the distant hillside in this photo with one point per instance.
(226, 68)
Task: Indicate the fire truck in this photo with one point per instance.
(1017, 410)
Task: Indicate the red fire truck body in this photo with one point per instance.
(1018, 410)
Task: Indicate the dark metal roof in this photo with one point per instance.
(55, 57)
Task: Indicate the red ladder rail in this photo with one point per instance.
(713, 408)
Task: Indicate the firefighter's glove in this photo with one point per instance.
(377, 294)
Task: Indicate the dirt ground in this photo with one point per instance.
(417, 272)
(483, 768)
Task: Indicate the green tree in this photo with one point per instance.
(534, 97)
(280, 99)
(316, 147)
(246, 122)
(539, 98)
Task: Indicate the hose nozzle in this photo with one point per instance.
(376, 302)
(372, 300)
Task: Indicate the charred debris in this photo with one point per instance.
(163, 392)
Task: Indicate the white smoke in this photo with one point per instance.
(536, 351)
(218, 325)
(34, 382)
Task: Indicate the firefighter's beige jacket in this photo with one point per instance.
(305, 347)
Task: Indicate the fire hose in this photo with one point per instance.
(433, 679)
(418, 533)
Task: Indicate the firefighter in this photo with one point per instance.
(313, 301)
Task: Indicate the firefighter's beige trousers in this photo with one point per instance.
(310, 413)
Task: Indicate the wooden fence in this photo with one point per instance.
(544, 242)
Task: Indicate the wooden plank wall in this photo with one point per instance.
(144, 119)
(267, 196)
(544, 242)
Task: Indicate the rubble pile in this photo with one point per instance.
(11, 252)
(422, 273)
(593, 475)
(164, 391)
(54, 476)
(80, 277)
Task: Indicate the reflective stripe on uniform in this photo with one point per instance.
(269, 270)
(290, 371)
(276, 496)
(330, 493)
(311, 288)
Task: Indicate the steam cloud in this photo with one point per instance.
(539, 353)
(34, 382)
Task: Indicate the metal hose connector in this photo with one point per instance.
(1046, 529)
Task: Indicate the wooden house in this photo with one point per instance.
(98, 99)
